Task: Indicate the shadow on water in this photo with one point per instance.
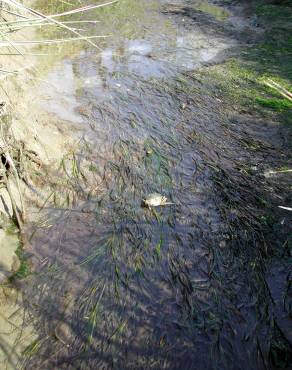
(120, 286)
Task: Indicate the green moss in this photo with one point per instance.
(92, 167)
(273, 12)
(217, 12)
(24, 269)
(276, 104)
(240, 82)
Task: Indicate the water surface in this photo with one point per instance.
(137, 287)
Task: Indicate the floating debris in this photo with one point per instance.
(155, 200)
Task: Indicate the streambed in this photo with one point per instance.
(116, 285)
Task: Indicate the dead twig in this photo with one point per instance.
(7, 164)
(16, 216)
(286, 208)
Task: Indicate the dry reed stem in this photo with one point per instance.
(18, 5)
(286, 208)
(280, 89)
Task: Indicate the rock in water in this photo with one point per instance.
(63, 333)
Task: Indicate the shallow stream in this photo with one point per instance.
(118, 285)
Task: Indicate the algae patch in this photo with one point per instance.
(221, 14)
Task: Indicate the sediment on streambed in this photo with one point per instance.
(168, 106)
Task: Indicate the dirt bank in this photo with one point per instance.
(32, 145)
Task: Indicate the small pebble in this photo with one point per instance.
(222, 244)
(63, 333)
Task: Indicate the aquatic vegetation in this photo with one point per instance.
(277, 104)
(218, 12)
(24, 269)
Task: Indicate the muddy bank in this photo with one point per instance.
(32, 145)
(200, 281)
